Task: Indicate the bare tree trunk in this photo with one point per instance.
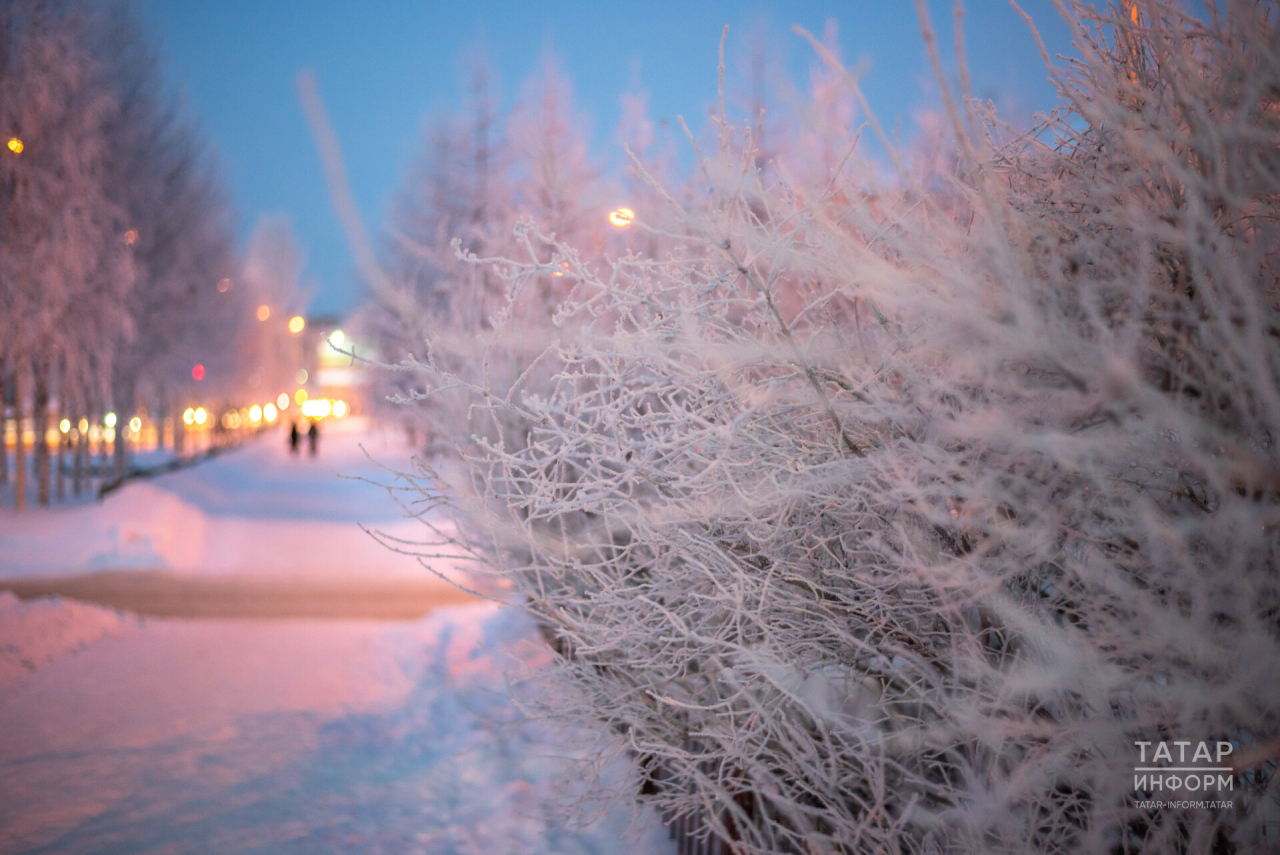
(118, 450)
(60, 475)
(162, 410)
(100, 471)
(20, 451)
(42, 456)
(82, 452)
(4, 431)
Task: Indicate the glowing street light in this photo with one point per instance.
(189, 416)
(337, 338)
(300, 396)
(65, 425)
(269, 412)
(255, 413)
(339, 408)
(135, 424)
(15, 145)
(282, 401)
(109, 420)
(296, 323)
(201, 415)
(264, 312)
(622, 217)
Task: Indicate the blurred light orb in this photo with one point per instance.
(84, 425)
(135, 424)
(201, 415)
(231, 420)
(131, 237)
(300, 396)
(296, 323)
(15, 145)
(337, 338)
(189, 415)
(301, 376)
(339, 408)
(282, 400)
(109, 435)
(65, 425)
(317, 408)
(622, 217)
(264, 312)
(224, 285)
(269, 412)
(197, 373)
(255, 413)
(109, 420)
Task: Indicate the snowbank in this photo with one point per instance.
(35, 632)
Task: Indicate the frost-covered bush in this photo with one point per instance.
(888, 514)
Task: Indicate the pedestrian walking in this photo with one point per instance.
(313, 434)
(293, 438)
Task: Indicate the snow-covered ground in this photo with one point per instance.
(128, 735)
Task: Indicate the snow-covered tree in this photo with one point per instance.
(113, 232)
(63, 251)
(894, 510)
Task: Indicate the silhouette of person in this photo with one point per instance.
(313, 433)
(293, 438)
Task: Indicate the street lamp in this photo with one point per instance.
(15, 145)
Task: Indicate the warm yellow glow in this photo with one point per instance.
(264, 312)
(622, 217)
(269, 412)
(84, 425)
(95, 433)
(300, 396)
(135, 424)
(65, 425)
(296, 323)
(301, 376)
(189, 415)
(201, 415)
(255, 413)
(131, 237)
(109, 435)
(337, 338)
(282, 400)
(224, 285)
(316, 408)
(15, 145)
(339, 408)
(231, 420)
(109, 420)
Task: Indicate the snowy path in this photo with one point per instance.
(276, 736)
(257, 510)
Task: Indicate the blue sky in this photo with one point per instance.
(385, 67)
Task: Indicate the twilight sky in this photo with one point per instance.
(385, 67)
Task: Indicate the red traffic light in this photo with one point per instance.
(198, 372)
